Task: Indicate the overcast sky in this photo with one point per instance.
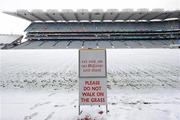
(15, 25)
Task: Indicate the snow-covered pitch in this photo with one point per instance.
(143, 84)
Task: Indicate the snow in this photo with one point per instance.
(62, 105)
(143, 84)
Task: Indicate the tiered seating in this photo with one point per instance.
(90, 44)
(75, 44)
(61, 44)
(47, 44)
(103, 27)
(94, 44)
(101, 34)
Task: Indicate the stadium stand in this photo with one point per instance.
(8, 41)
(97, 29)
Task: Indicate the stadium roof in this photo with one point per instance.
(112, 15)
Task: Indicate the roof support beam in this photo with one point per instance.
(37, 17)
(76, 16)
(141, 18)
(64, 18)
(89, 17)
(167, 16)
(128, 18)
(115, 18)
(156, 16)
(16, 14)
(24, 17)
(102, 17)
(50, 17)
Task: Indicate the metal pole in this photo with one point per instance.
(106, 108)
(79, 109)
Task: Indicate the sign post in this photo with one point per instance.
(92, 77)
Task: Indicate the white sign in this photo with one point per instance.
(92, 77)
(92, 91)
(92, 63)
